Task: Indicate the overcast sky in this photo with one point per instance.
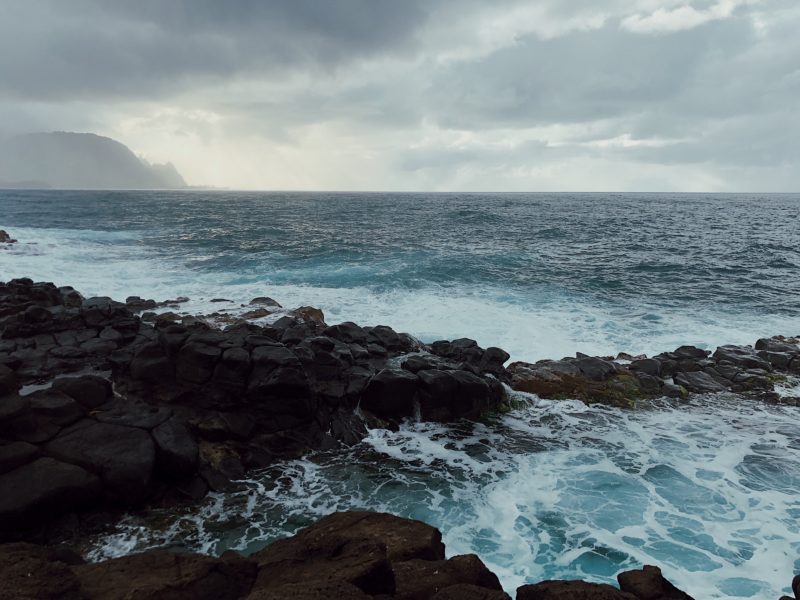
(506, 95)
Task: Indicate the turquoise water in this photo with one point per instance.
(708, 491)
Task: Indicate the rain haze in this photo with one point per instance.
(645, 95)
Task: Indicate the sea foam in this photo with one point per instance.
(555, 490)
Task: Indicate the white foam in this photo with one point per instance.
(120, 264)
(556, 490)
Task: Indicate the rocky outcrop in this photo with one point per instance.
(129, 412)
(5, 238)
(751, 370)
(351, 555)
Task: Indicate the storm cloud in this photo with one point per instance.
(420, 94)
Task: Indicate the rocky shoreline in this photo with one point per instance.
(346, 556)
(106, 405)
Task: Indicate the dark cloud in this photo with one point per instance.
(60, 50)
(429, 93)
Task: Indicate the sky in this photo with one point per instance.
(459, 95)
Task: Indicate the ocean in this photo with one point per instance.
(707, 490)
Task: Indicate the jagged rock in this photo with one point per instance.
(648, 583)
(5, 238)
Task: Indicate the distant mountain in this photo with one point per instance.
(79, 160)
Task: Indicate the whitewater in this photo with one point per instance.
(707, 490)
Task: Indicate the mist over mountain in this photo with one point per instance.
(79, 160)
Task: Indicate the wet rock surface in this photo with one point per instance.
(127, 411)
(748, 370)
(101, 410)
(351, 555)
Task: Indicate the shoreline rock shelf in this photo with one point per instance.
(102, 410)
(126, 412)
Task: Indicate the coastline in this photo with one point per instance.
(165, 408)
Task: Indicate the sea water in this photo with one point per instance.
(706, 490)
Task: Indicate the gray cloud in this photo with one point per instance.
(605, 94)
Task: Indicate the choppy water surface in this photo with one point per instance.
(541, 275)
(708, 490)
(558, 490)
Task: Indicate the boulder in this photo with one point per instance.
(466, 591)
(595, 368)
(391, 394)
(741, 356)
(347, 332)
(151, 363)
(122, 456)
(90, 391)
(310, 590)
(131, 413)
(53, 578)
(354, 547)
(421, 579)
(648, 583)
(571, 590)
(277, 372)
(43, 487)
(159, 574)
(8, 381)
(5, 238)
(56, 406)
(176, 449)
(264, 301)
(233, 370)
(650, 366)
(16, 454)
(699, 382)
(355, 561)
(690, 352)
(777, 345)
(196, 362)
